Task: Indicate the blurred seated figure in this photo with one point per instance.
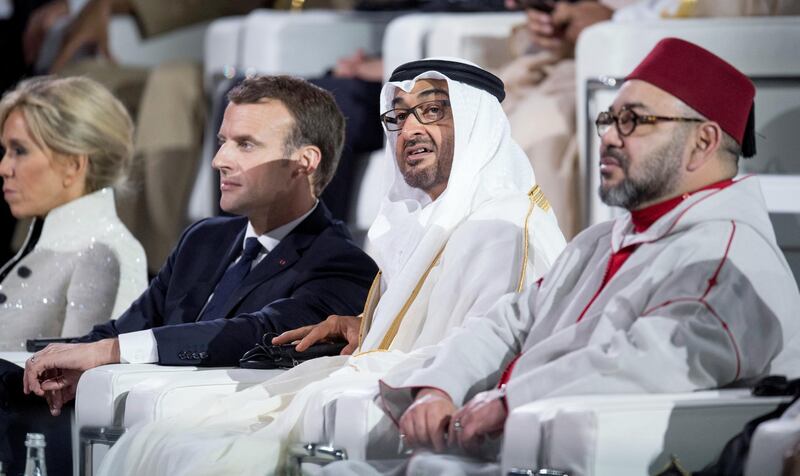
(541, 96)
(282, 263)
(688, 290)
(66, 144)
(355, 83)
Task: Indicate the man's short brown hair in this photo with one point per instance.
(317, 119)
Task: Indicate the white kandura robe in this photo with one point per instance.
(480, 217)
(707, 300)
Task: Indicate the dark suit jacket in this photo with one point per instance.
(314, 272)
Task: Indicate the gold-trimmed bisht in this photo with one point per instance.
(536, 197)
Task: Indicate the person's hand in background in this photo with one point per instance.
(558, 31)
(39, 23)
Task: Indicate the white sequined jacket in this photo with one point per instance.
(85, 268)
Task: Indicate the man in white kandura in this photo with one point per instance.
(688, 291)
(461, 225)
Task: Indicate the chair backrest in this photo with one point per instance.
(129, 48)
(221, 58)
(478, 37)
(127, 45)
(310, 43)
(764, 48)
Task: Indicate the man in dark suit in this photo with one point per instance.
(283, 263)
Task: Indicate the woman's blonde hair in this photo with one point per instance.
(76, 116)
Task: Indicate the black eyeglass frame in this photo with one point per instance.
(385, 120)
(637, 119)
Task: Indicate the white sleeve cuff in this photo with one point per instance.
(138, 348)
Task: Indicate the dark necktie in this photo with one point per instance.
(231, 280)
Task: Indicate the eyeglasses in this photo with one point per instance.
(627, 120)
(426, 113)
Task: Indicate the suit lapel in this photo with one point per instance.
(283, 256)
(231, 253)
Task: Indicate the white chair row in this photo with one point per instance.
(610, 423)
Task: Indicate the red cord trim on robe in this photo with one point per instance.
(719, 187)
(615, 262)
(702, 300)
(713, 280)
(641, 220)
(507, 372)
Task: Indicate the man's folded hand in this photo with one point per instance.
(54, 372)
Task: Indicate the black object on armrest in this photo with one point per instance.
(268, 356)
(35, 345)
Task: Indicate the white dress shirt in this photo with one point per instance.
(141, 348)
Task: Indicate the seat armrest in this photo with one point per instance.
(35, 345)
(356, 424)
(771, 442)
(168, 394)
(18, 358)
(101, 394)
(627, 434)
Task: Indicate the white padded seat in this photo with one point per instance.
(169, 394)
(627, 434)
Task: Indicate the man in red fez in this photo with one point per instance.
(686, 291)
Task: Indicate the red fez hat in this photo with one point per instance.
(705, 83)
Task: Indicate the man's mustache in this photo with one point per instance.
(418, 142)
(615, 154)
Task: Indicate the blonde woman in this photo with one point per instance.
(66, 143)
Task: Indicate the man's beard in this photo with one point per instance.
(425, 179)
(429, 177)
(659, 175)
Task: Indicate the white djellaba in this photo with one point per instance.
(426, 289)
